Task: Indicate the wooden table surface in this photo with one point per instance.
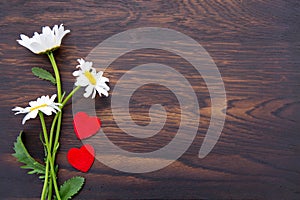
(255, 45)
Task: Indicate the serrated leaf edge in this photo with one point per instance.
(37, 72)
(39, 168)
(75, 192)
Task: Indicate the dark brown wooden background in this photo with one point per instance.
(255, 44)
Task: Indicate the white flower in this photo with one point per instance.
(48, 40)
(88, 77)
(43, 104)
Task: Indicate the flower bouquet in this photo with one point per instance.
(86, 76)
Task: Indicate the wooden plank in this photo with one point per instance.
(255, 45)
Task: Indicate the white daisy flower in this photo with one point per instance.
(88, 77)
(48, 40)
(43, 104)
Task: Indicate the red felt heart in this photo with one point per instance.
(85, 126)
(81, 159)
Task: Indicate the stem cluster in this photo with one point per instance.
(52, 138)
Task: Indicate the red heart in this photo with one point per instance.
(83, 158)
(85, 126)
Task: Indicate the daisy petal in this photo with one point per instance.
(27, 117)
(43, 104)
(88, 91)
(88, 77)
(53, 97)
(48, 40)
(94, 94)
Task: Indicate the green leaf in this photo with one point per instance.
(23, 156)
(71, 187)
(43, 74)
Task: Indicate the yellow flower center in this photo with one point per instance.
(90, 77)
(38, 107)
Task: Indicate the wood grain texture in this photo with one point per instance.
(255, 45)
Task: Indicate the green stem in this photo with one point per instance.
(52, 130)
(49, 156)
(70, 95)
(44, 191)
(57, 136)
(44, 130)
(56, 116)
(53, 174)
(59, 95)
(50, 145)
(59, 116)
(50, 189)
(57, 76)
(56, 123)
